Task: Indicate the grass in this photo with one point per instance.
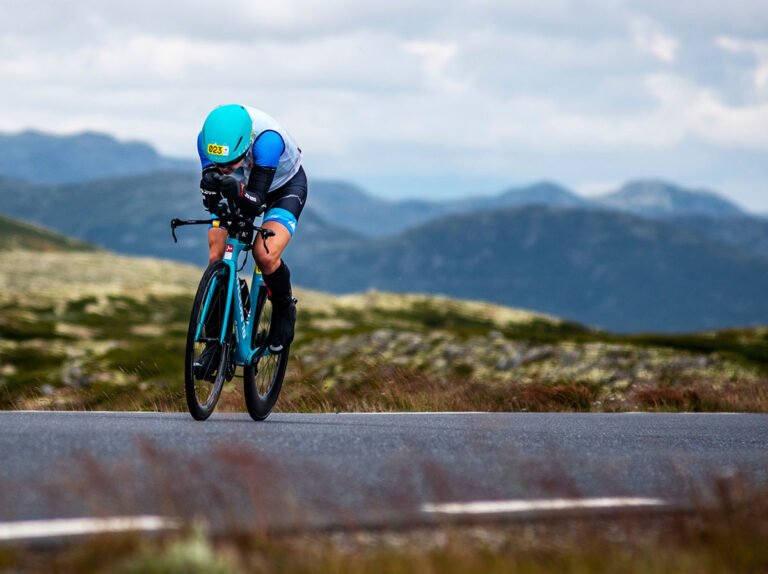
(390, 388)
(694, 398)
(109, 333)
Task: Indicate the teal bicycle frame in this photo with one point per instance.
(244, 355)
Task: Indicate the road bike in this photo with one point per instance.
(228, 326)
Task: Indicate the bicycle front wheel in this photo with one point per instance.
(263, 379)
(207, 362)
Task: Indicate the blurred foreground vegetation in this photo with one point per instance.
(93, 330)
(728, 536)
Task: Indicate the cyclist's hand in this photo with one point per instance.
(209, 187)
(209, 180)
(221, 209)
(229, 187)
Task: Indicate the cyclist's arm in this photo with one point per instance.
(267, 149)
(204, 161)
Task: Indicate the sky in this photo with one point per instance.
(417, 98)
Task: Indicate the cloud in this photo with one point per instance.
(435, 57)
(649, 38)
(699, 112)
(758, 49)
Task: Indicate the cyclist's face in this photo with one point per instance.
(226, 170)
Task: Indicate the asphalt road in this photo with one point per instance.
(330, 469)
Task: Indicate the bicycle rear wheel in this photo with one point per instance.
(208, 363)
(263, 380)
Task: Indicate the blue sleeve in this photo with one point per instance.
(201, 152)
(268, 148)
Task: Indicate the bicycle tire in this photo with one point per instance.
(195, 386)
(263, 380)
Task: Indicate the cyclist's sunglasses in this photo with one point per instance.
(232, 162)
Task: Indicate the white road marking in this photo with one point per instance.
(51, 412)
(30, 529)
(512, 506)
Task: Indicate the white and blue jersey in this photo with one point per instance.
(273, 147)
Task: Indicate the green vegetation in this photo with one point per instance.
(750, 346)
(99, 331)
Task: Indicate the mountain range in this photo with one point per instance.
(613, 270)
(655, 198)
(46, 158)
(650, 256)
(349, 205)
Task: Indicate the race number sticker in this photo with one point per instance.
(216, 149)
(228, 252)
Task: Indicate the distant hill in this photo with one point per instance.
(598, 267)
(45, 158)
(541, 193)
(16, 234)
(743, 231)
(686, 260)
(132, 214)
(351, 207)
(655, 198)
(129, 214)
(37, 157)
(616, 271)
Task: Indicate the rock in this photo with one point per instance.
(568, 358)
(453, 352)
(411, 344)
(507, 363)
(72, 375)
(381, 337)
(537, 354)
(47, 390)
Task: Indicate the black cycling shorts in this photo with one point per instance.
(285, 203)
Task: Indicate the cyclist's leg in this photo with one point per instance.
(284, 207)
(270, 261)
(217, 242)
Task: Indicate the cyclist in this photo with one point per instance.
(248, 157)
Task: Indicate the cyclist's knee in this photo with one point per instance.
(267, 262)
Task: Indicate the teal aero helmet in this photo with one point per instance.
(227, 134)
